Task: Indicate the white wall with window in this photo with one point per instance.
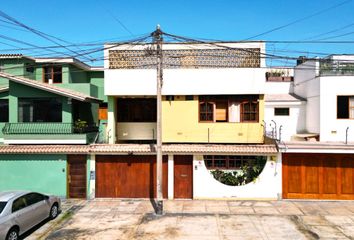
(337, 108)
(291, 116)
(266, 186)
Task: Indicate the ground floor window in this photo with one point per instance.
(235, 170)
(39, 110)
(4, 110)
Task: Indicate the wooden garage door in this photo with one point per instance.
(128, 176)
(318, 176)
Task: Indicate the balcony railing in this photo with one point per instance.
(336, 68)
(47, 128)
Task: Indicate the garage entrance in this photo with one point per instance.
(318, 176)
(128, 176)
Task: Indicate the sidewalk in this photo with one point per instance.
(195, 219)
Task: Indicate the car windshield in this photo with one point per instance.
(2, 206)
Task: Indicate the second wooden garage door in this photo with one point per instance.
(128, 176)
(318, 176)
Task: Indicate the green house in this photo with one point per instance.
(51, 110)
(50, 101)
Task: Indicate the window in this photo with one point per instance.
(39, 110)
(206, 111)
(33, 198)
(136, 110)
(2, 206)
(228, 108)
(249, 111)
(29, 67)
(52, 72)
(345, 107)
(281, 112)
(19, 204)
(103, 112)
(4, 110)
(189, 98)
(228, 162)
(170, 98)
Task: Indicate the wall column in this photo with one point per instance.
(112, 121)
(91, 177)
(67, 110)
(170, 177)
(13, 109)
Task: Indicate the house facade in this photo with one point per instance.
(53, 103)
(212, 122)
(314, 129)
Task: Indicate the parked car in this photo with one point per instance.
(22, 210)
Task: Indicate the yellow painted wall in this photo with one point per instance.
(180, 123)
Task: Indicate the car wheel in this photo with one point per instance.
(53, 211)
(12, 234)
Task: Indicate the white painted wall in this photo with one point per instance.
(136, 130)
(292, 124)
(142, 82)
(279, 87)
(92, 185)
(267, 186)
(333, 129)
(307, 85)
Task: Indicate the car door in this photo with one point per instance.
(22, 214)
(38, 206)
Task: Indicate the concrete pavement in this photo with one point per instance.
(196, 219)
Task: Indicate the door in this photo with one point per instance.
(77, 176)
(128, 176)
(318, 176)
(23, 214)
(183, 176)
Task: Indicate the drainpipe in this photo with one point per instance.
(280, 128)
(346, 135)
(275, 129)
(264, 125)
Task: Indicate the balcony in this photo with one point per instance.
(48, 133)
(336, 68)
(133, 131)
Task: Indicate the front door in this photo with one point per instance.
(183, 176)
(77, 176)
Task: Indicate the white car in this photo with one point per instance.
(22, 210)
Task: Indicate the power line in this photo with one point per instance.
(37, 32)
(299, 20)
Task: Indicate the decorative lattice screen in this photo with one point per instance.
(191, 58)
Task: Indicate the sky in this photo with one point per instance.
(78, 21)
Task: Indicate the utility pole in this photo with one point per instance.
(157, 35)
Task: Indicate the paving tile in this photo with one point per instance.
(242, 210)
(265, 210)
(340, 220)
(327, 232)
(315, 221)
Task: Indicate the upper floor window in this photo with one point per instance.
(345, 107)
(39, 110)
(53, 73)
(136, 109)
(4, 110)
(228, 108)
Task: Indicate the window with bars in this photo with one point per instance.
(213, 162)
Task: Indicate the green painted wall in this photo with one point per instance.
(42, 173)
(97, 79)
(77, 75)
(21, 91)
